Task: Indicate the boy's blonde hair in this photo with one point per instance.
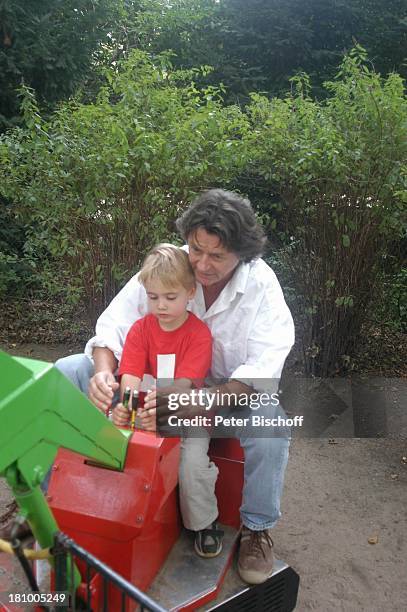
(168, 264)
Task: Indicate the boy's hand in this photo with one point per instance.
(148, 414)
(120, 416)
(101, 389)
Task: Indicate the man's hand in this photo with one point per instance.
(170, 396)
(120, 416)
(101, 389)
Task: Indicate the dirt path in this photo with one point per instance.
(337, 497)
(339, 494)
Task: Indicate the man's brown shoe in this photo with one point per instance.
(255, 563)
(7, 523)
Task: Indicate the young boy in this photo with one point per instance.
(168, 333)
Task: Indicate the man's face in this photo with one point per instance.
(210, 260)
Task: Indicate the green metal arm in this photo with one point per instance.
(40, 411)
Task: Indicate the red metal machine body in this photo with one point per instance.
(229, 457)
(130, 520)
(121, 508)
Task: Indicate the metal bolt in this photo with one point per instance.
(49, 498)
(147, 487)
(55, 468)
(139, 518)
(38, 474)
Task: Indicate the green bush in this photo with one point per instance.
(335, 174)
(101, 183)
(15, 271)
(389, 308)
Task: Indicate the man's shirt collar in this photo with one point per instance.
(237, 284)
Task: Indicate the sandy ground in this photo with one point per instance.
(340, 493)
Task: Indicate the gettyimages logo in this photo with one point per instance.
(202, 411)
(209, 400)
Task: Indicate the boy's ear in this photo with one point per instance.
(191, 293)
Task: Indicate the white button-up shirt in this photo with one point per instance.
(250, 322)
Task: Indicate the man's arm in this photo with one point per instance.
(103, 384)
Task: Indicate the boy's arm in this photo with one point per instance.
(134, 361)
(129, 380)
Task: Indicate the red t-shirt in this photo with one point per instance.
(191, 343)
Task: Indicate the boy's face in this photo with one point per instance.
(169, 305)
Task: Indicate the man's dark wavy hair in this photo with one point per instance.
(230, 217)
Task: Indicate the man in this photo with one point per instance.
(239, 298)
